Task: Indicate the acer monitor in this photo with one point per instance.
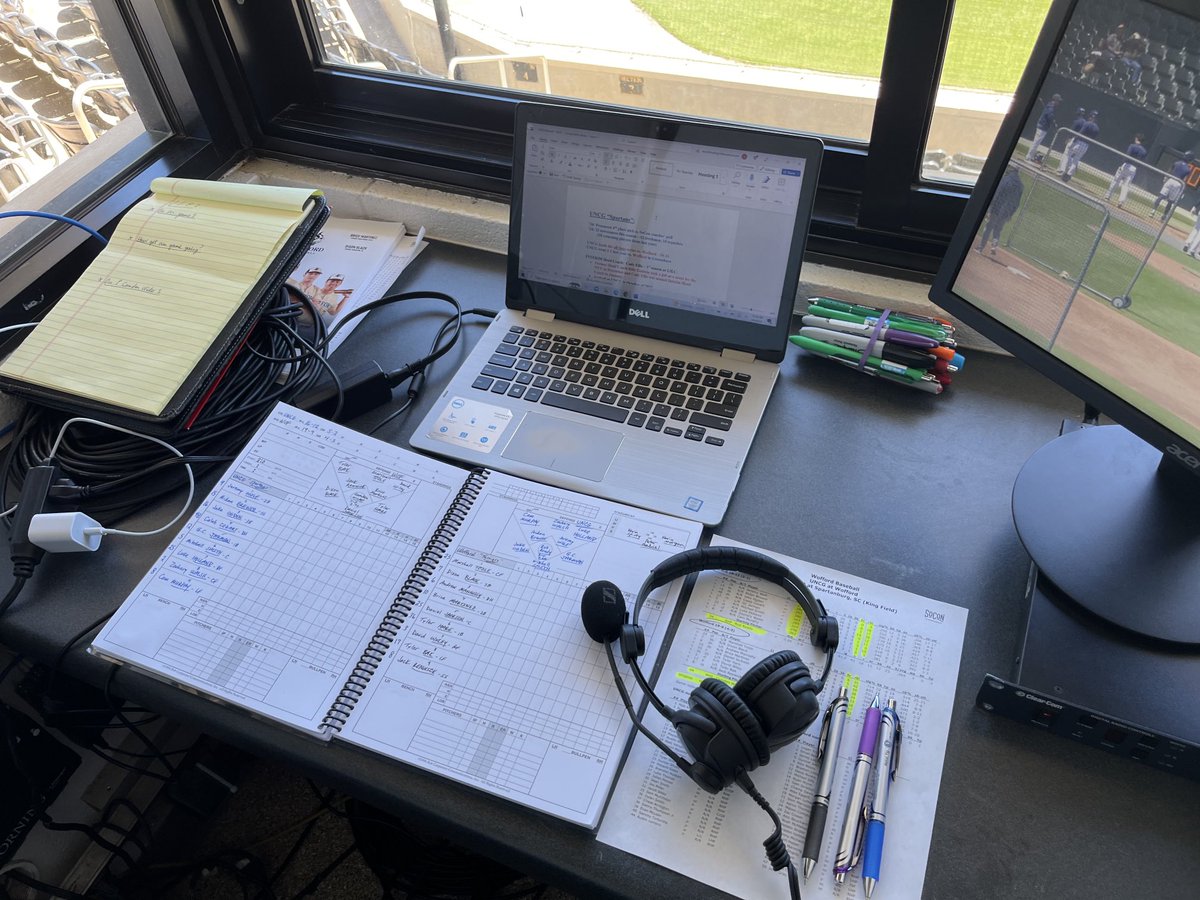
(1078, 253)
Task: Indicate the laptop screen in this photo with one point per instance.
(687, 231)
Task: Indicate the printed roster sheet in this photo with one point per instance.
(894, 644)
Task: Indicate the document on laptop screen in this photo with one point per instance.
(667, 223)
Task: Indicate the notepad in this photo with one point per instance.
(357, 591)
(154, 307)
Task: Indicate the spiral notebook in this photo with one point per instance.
(361, 592)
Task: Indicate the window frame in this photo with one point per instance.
(872, 209)
(161, 50)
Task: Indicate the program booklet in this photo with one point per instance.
(352, 262)
(361, 592)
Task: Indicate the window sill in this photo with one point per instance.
(483, 224)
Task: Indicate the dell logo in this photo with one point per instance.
(1183, 456)
(635, 313)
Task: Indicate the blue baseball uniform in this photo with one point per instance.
(1123, 177)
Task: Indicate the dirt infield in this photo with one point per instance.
(1033, 302)
(1160, 262)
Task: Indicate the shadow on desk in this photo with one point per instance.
(285, 833)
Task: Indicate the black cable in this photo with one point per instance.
(114, 474)
(276, 363)
(417, 380)
(38, 803)
(12, 665)
(51, 890)
(777, 853)
(133, 727)
(18, 583)
(316, 880)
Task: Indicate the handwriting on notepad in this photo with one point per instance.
(172, 246)
(145, 313)
(125, 284)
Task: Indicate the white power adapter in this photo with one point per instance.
(65, 532)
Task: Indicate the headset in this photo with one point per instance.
(728, 732)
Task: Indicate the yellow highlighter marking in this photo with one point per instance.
(745, 626)
(867, 643)
(695, 676)
(851, 683)
(795, 622)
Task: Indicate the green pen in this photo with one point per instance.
(820, 348)
(931, 331)
(841, 305)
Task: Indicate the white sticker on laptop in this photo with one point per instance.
(471, 424)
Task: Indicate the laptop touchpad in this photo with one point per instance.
(567, 447)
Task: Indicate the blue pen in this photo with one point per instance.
(887, 761)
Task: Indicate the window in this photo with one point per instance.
(61, 90)
(817, 71)
(977, 83)
(423, 90)
(95, 101)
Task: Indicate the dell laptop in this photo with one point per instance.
(652, 270)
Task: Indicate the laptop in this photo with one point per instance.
(652, 269)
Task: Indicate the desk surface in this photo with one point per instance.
(920, 501)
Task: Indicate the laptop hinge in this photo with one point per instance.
(737, 355)
(540, 315)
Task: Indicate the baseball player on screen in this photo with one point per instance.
(1123, 177)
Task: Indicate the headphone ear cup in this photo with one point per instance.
(782, 695)
(721, 733)
(752, 679)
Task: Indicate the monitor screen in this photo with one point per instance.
(1079, 252)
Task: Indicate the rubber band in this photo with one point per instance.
(880, 324)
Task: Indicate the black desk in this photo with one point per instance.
(893, 485)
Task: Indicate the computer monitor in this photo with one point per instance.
(1078, 253)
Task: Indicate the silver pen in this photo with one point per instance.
(850, 845)
(827, 752)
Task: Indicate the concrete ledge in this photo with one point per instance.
(483, 224)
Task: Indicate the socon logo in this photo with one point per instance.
(635, 313)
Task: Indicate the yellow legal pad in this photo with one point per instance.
(152, 305)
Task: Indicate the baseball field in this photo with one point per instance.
(1030, 285)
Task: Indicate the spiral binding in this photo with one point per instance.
(406, 599)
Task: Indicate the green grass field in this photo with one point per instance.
(1058, 230)
(990, 40)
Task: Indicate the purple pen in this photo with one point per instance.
(850, 845)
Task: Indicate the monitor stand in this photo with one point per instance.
(1111, 647)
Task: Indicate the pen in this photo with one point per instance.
(823, 349)
(894, 335)
(933, 331)
(830, 303)
(906, 356)
(827, 751)
(851, 844)
(926, 383)
(887, 761)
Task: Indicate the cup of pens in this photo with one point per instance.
(913, 350)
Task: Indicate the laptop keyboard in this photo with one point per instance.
(657, 393)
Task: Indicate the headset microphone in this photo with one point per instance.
(728, 731)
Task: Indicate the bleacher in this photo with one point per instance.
(59, 90)
(1166, 80)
